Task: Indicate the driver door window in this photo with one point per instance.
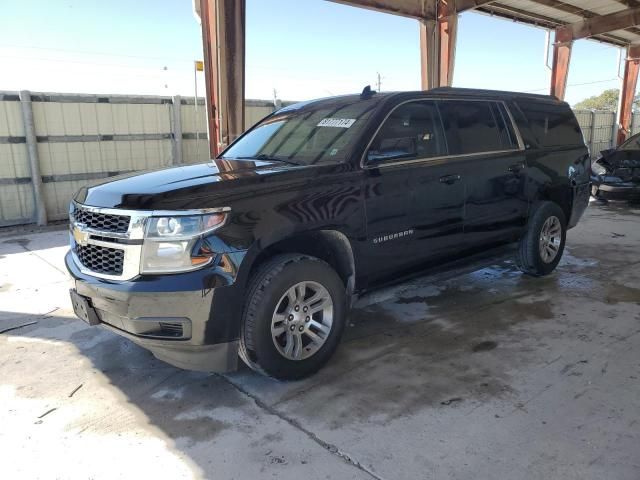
(412, 131)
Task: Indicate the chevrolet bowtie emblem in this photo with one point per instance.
(80, 235)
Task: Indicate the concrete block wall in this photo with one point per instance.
(16, 192)
(599, 129)
(83, 139)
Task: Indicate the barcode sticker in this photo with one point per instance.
(336, 122)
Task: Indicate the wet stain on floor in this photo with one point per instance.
(23, 242)
(484, 346)
(618, 293)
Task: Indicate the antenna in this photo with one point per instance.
(367, 93)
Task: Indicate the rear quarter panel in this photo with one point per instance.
(557, 173)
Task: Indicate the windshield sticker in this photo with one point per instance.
(337, 122)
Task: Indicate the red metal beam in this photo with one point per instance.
(560, 68)
(210, 49)
(437, 47)
(629, 84)
(223, 37)
(231, 57)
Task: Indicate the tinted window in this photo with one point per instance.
(552, 125)
(307, 134)
(472, 127)
(413, 130)
(505, 127)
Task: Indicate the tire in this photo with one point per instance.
(530, 257)
(269, 300)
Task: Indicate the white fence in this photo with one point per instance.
(80, 139)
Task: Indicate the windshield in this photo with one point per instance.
(306, 135)
(632, 144)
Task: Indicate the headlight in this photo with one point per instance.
(169, 242)
(598, 169)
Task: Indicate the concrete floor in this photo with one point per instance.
(487, 375)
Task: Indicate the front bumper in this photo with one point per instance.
(170, 315)
(617, 191)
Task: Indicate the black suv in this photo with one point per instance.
(261, 252)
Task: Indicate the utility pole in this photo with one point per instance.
(277, 103)
(379, 82)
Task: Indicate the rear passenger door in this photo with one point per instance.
(482, 132)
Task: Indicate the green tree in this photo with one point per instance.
(607, 100)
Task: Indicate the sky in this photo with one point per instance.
(300, 48)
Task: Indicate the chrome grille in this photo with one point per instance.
(102, 221)
(101, 259)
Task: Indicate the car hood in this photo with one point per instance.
(620, 158)
(181, 187)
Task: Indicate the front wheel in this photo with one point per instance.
(294, 317)
(541, 248)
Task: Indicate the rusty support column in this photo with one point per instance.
(629, 84)
(438, 46)
(208, 20)
(561, 61)
(231, 34)
(223, 36)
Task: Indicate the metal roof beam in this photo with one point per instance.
(599, 25)
(407, 8)
(518, 15)
(628, 3)
(566, 7)
(574, 10)
(420, 9)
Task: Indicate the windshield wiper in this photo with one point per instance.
(268, 158)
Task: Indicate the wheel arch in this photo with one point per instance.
(331, 246)
(561, 195)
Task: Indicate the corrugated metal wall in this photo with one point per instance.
(83, 139)
(16, 192)
(86, 138)
(599, 129)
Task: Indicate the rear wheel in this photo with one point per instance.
(541, 248)
(294, 317)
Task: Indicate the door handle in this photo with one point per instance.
(517, 168)
(450, 179)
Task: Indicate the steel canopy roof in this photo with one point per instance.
(611, 21)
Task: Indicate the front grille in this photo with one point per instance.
(101, 259)
(102, 221)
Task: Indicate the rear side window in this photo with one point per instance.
(475, 127)
(552, 125)
(413, 130)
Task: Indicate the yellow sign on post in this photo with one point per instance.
(199, 66)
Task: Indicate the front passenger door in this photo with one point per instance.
(414, 200)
